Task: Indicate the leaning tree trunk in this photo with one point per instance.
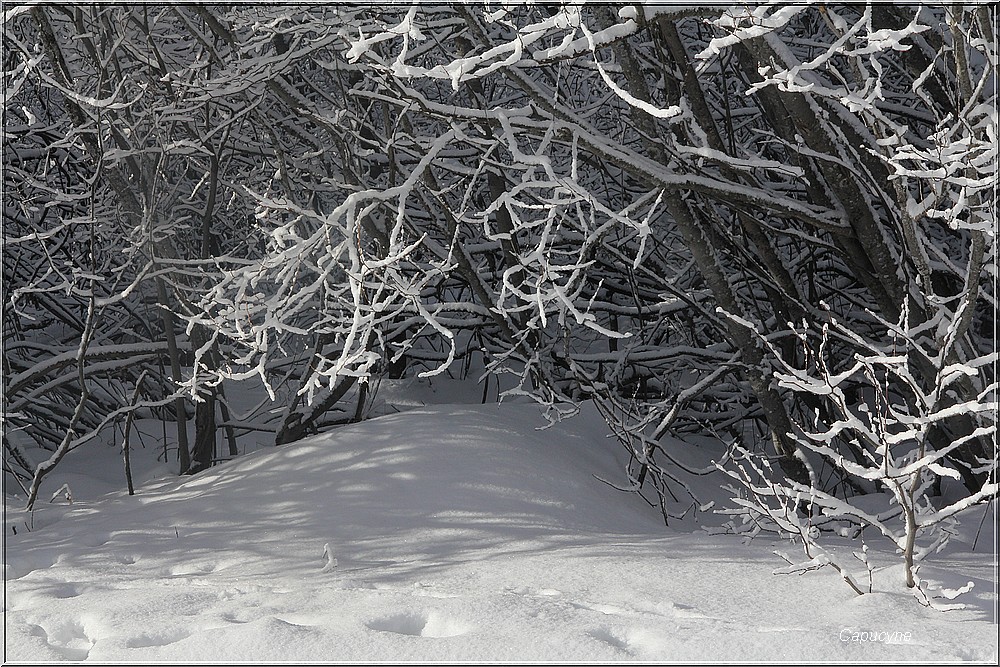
(697, 233)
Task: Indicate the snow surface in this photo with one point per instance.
(443, 533)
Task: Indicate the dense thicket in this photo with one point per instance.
(774, 225)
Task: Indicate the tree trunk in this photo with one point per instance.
(696, 231)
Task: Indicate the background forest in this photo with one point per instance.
(772, 226)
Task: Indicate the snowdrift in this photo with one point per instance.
(446, 533)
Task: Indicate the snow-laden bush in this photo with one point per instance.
(904, 410)
(883, 442)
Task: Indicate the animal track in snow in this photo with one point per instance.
(687, 611)
(643, 643)
(198, 568)
(188, 569)
(65, 590)
(611, 636)
(231, 617)
(68, 638)
(421, 589)
(421, 624)
(95, 540)
(547, 592)
(534, 593)
(157, 638)
(606, 609)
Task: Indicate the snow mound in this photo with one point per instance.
(447, 533)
